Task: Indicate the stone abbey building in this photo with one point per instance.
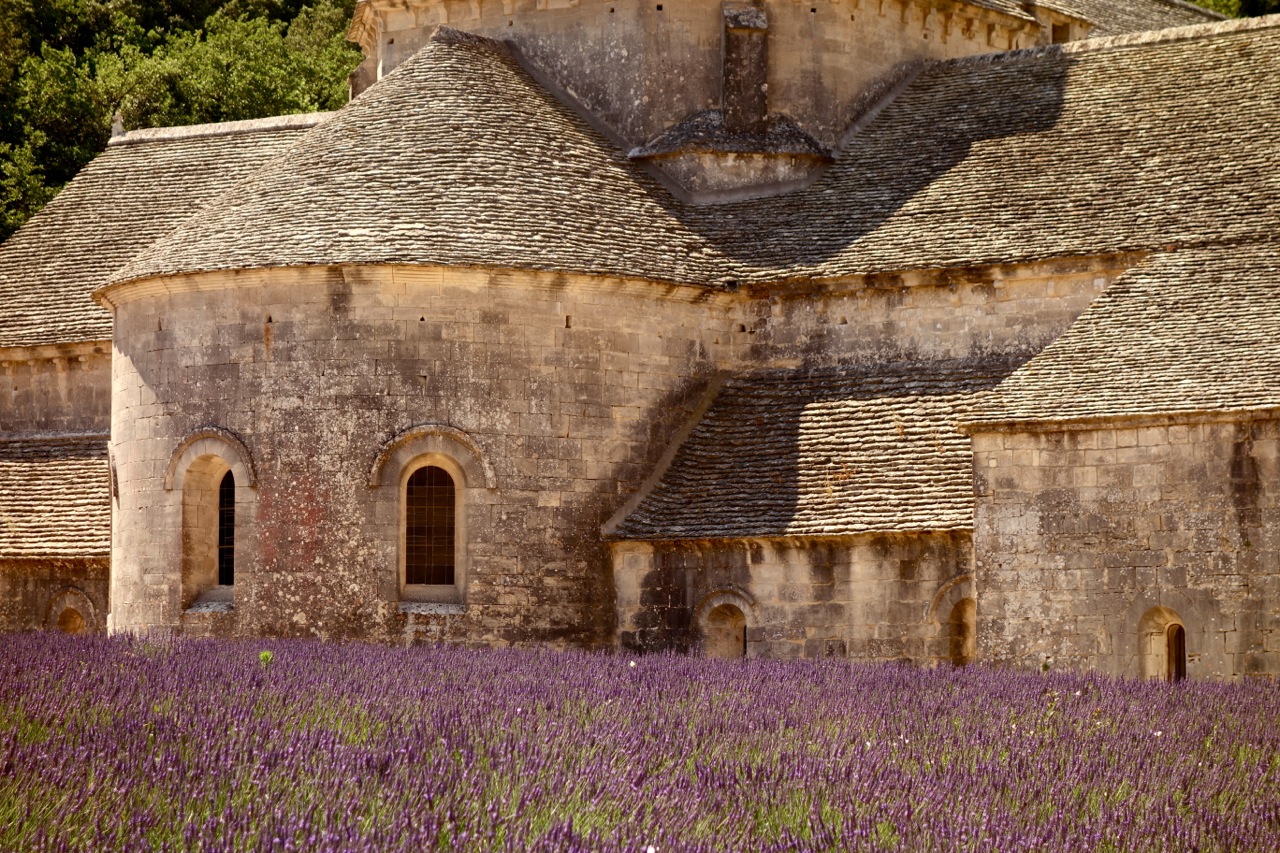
(936, 330)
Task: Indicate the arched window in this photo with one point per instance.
(227, 530)
(430, 527)
(1176, 652)
(725, 633)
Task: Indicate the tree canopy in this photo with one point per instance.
(68, 66)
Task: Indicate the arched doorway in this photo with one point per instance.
(962, 632)
(725, 633)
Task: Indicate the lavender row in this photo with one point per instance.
(121, 744)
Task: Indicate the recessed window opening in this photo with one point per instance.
(430, 527)
(227, 530)
(1176, 652)
(1061, 33)
(659, 7)
(568, 321)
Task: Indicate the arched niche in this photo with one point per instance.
(71, 612)
(952, 617)
(721, 622)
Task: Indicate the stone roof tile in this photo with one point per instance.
(1190, 331)
(828, 452)
(55, 498)
(144, 184)
(1114, 17)
(458, 157)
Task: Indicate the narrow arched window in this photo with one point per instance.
(227, 530)
(1176, 652)
(429, 527)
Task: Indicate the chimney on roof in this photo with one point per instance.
(117, 126)
(744, 94)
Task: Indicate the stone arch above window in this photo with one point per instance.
(211, 441)
(427, 440)
(72, 612)
(722, 620)
(215, 476)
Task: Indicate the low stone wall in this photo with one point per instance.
(68, 595)
(878, 597)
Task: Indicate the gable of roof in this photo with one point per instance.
(144, 184)
(830, 452)
(1190, 331)
(55, 498)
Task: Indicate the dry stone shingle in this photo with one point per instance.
(55, 498)
(1191, 331)
(826, 452)
(143, 185)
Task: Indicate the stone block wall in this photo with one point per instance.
(1089, 542)
(62, 388)
(1010, 310)
(642, 66)
(875, 598)
(565, 388)
(53, 594)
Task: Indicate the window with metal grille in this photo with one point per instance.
(429, 516)
(227, 530)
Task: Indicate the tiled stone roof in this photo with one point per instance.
(823, 453)
(1190, 331)
(459, 158)
(144, 184)
(55, 498)
(1094, 147)
(1114, 17)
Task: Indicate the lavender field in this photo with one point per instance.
(129, 745)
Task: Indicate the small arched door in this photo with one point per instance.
(725, 633)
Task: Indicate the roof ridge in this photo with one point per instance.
(222, 128)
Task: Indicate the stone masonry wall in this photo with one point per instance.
(642, 66)
(883, 597)
(35, 593)
(1013, 310)
(568, 388)
(64, 388)
(1084, 537)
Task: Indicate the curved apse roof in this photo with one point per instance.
(144, 184)
(457, 157)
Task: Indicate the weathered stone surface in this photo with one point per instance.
(1090, 540)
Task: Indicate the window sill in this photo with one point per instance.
(432, 608)
(219, 599)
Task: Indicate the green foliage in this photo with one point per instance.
(68, 66)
